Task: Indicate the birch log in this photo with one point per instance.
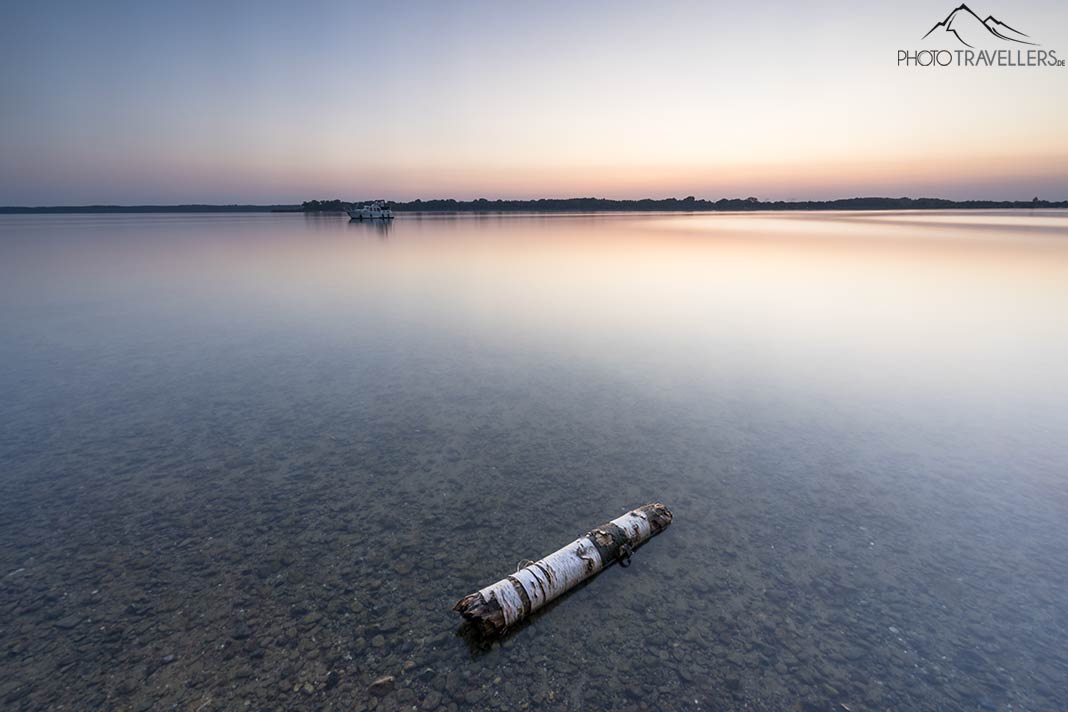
(494, 608)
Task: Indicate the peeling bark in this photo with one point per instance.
(494, 608)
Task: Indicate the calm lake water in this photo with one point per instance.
(251, 461)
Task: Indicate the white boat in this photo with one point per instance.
(372, 211)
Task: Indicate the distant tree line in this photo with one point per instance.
(325, 206)
(689, 203)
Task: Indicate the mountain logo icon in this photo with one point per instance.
(971, 31)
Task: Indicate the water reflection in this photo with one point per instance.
(251, 459)
(380, 227)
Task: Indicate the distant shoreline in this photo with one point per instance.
(62, 209)
(562, 205)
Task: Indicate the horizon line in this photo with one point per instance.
(480, 200)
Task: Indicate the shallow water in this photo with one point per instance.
(250, 461)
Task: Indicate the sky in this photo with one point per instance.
(224, 102)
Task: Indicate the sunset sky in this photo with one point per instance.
(277, 103)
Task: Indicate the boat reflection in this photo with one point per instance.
(381, 227)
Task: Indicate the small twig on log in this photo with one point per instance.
(494, 608)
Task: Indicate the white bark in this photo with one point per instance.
(500, 605)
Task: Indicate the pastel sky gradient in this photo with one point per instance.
(220, 102)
